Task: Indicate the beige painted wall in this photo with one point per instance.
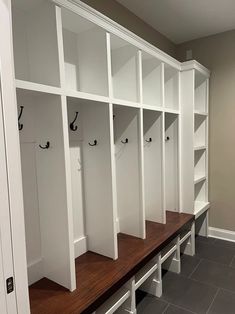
(218, 54)
(123, 16)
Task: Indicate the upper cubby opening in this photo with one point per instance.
(35, 42)
(85, 55)
(152, 80)
(200, 93)
(171, 78)
(124, 63)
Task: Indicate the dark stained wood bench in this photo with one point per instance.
(98, 277)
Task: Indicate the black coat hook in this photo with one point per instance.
(149, 140)
(45, 146)
(20, 125)
(167, 138)
(72, 126)
(94, 144)
(126, 141)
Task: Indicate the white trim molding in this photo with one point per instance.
(80, 246)
(222, 234)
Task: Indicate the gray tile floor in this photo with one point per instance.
(206, 283)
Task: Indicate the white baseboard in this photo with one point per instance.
(35, 268)
(35, 271)
(222, 234)
(80, 246)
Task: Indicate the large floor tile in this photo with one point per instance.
(172, 309)
(188, 264)
(205, 239)
(232, 264)
(188, 294)
(147, 304)
(226, 244)
(214, 253)
(224, 303)
(218, 275)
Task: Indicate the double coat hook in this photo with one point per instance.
(72, 126)
(20, 125)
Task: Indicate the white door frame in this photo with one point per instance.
(13, 221)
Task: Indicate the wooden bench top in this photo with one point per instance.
(98, 277)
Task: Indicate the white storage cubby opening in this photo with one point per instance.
(127, 139)
(200, 130)
(199, 164)
(91, 177)
(171, 87)
(201, 90)
(153, 165)
(152, 80)
(171, 161)
(200, 195)
(85, 55)
(35, 42)
(46, 207)
(124, 70)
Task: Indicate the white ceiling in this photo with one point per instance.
(183, 20)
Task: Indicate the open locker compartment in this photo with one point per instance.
(153, 165)
(128, 156)
(152, 80)
(85, 55)
(47, 203)
(172, 161)
(124, 70)
(35, 42)
(91, 177)
(171, 87)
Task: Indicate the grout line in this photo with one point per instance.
(195, 269)
(168, 305)
(182, 308)
(213, 301)
(230, 265)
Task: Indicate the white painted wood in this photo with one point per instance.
(152, 80)
(3, 301)
(124, 59)
(85, 54)
(9, 111)
(227, 235)
(171, 162)
(91, 169)
(153, 170)
(103, 21)
(194, 95)
(171, 86)
(46, 194)
(114, 302)
(199, 164)
(128, 170)
(145, 272)
(199, 131)
(153, 284)
(200, 92)
(6, 262)
(37, 87)
(35, 43)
